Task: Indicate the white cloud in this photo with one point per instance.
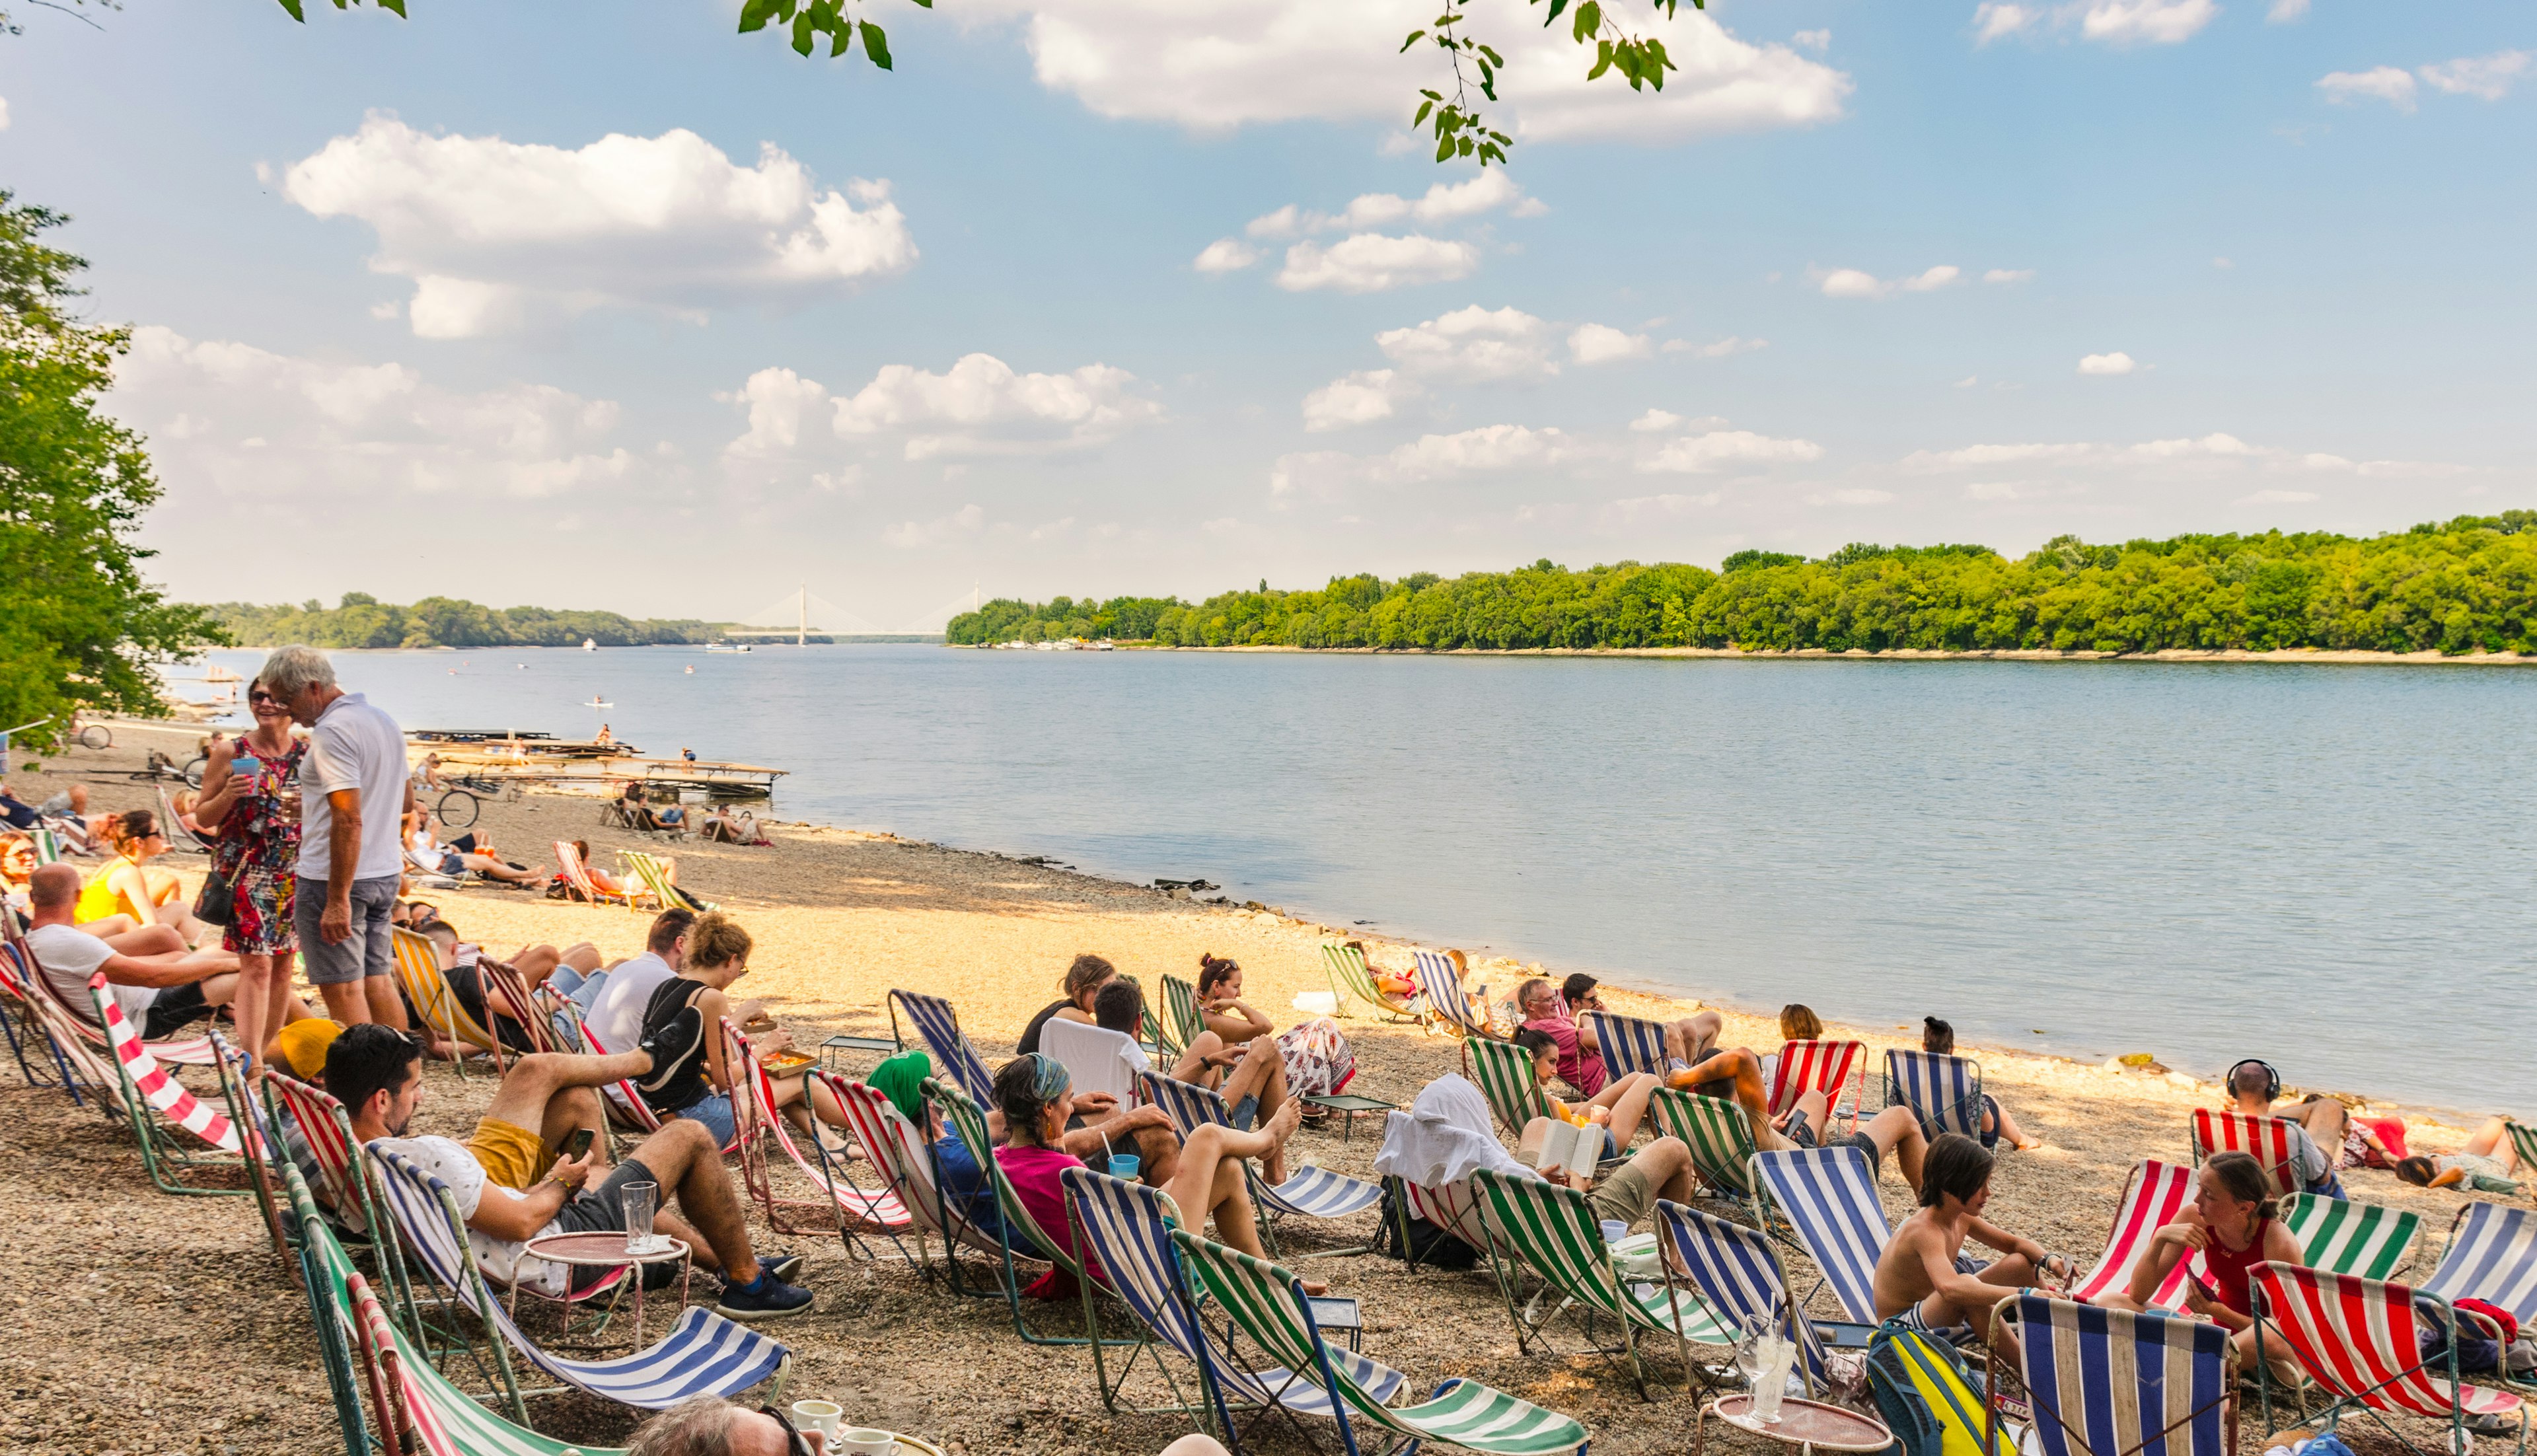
(1851, 283)
(1444, 202)
(2008, 276)
(2146, 22)
(2117, 362)
(1699, 454)
(1371, 262)
(1655, 419)
(1923, 462)
(908, 536)
(2284, 11)
(981, 406)
(1812, 40)
(2489, 77)
(779, 403)
(2202, 453)
(1494, 447)
(1729, 344)
(1472, 343)
(355, 432)
(1993, 19)
(1226, 255)
(2384, 83)
(1852, 497)
(1213, 67)
(1361, 398)
(1998, 491)
(2277, 498)
(498, 234)
(1601, 343)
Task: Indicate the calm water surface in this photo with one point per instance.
(2326, 867)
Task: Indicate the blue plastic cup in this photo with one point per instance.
(1124, 1166)
(1615, 1230)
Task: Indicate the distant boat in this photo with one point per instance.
(596, 703)
(588, 645)
(692, 669)
(727, 647)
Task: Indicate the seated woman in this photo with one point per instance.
(1035, 1095)
(431, 856)
(2233, 1222)
(130, 885)
(724, 824)
(1620, 1105)
(691, 1075)
(1397, 990)
(2485, 1164)
(1939, 1039)
(1085, 978)
(1316, 1057)
(615, 885)
(1922, 1276)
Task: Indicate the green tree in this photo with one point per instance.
(82, 623)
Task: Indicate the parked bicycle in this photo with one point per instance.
(459, 806)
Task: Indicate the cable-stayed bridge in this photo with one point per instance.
(802, 613)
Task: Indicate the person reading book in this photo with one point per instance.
(1618, 1108)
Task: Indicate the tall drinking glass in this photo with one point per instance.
(640, 1201)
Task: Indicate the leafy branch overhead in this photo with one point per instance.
(1458, 125)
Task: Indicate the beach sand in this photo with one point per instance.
(148, 1322)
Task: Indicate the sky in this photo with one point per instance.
(577, 305)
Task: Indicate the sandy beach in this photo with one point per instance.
(152, 1323)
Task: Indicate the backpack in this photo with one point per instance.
(1427, 1242)
(1918, 1432)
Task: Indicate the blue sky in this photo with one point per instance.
(543, 304)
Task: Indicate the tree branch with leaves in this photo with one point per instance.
(1459, 128)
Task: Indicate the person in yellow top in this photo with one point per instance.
(129, 886)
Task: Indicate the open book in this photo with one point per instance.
(1557, 1149)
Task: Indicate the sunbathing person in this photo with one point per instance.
(1446, 1138)
(1922, 1276)
(2317, 1123)
(161, 984)
(726, 825)
(1317, 1060)
(129, 884)
(1939, 1039)
(430, 856)
(1735, 1075)
(1620, 1106)
(2485, 1164)
(1397, 991)
(2233, 1222)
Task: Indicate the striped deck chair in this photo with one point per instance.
(2267, 1138)
(17, 1018)
(1740, 1278)
(2359, 1339)
(2524, 1140)
(2492, 1257)
(1351, 981)
(507, 994)
(2153, 1196)
(1718, 1134)
(1504, 1072)
(1554, 1230)
(1181, 1021)
(182, 839)
(939, 1026)
(2370, 1239)
(1038, 1243)
(654, 876)
(1944, 1092)
(757, 1122)
(703, 1353)
(1819, 1066)
(898, 1151)
(147, 1085)
(577, 874)
(1268, 1303)
(1829, 1197)
(624, 1099)
(2107, 1383)
(326, 1130)
(48, 845)
(193, 1049)
(1630, 1043)
(1454, 1208)
(1313, 1192)
(1441, 983)
(417, 963)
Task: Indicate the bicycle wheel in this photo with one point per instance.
(96, 735)
(194, 773)
(457, 808)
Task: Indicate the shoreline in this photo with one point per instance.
(2295, 655)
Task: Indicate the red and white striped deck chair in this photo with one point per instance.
(157, 1087)
(2153, 1196)
(1820, 1066)
(622, 1096)
(1455, 1209)
(194, 1051)
(756, 1121)
(2267, 1139)
(2360, 1340)
(577, 874)
(507, 994)
(897, 1148)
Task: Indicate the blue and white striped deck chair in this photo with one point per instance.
(1127, 1228)
(1944, 1092)
(1268, 1303)
(703, 1353)
(1314, 1192)
(1829, 1197)
(939, 1026)
(1740, 1276)
(1630, 1043)
(2106, 1382)
(1441, 983)
(2492, 1257)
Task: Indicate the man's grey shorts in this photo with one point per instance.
(370, 950)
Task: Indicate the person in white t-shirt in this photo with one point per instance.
(615, 1014)
(354, 797)
(159, 984)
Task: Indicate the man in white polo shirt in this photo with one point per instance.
(355, 795)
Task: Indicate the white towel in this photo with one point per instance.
(1443, 1137)
(1097, 1060)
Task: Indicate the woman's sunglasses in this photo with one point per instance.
(261, 696)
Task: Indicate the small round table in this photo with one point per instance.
(605, 1249)
(1810, 1424)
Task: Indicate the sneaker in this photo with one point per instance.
(782, 1266)
(768, 1299)
(679, 1042)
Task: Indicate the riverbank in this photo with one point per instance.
(840, 916)
(2311, 656)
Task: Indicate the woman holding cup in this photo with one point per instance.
(251, 803)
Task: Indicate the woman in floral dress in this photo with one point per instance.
(251, 792)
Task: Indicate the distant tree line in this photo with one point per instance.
(363, 620)
(2467, 585)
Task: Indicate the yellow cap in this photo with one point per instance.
(304, 1043)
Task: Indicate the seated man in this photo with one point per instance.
(1686, 1039)
(533, 964)
(159, 984)
(2317, 1123)
(1620, 1106)
(1446, 1138)
(425, 853)
(1735, 1075)
(510, 1187)
(1922, 1276)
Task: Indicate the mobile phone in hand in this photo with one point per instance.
(577, 1147)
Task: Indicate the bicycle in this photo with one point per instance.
(159, 766)
(459, 806)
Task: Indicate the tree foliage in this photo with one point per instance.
(361, 620)
(2470, 585)
(81, 623)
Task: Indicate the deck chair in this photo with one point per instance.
(326, 1130)
(939, 1026)
(2107, 1383)
(1351, 981)
(1096, 1058)
(2268, 1139)
(1454, 1208)
(1740, 1278)
(2524, 1140)
(703, 1353)
(1819, 1066)
(154, 1101)
(655, 880)
(193, 1049)
(2492, 1257)
(1554, 1230)
(2370, 1239)
(1944, 1092)
(1181, 1021)
(1829, 1197)
(1312, 1193)
(1504, 1072)
(509, 996)
(1718, 1134)
(2360, 1339)
(971, 1125)
(1268, 1305)
(2154, 1195)
(577, 874)
(757, 1122)
(183, 839)
(18, 1021)
(1441, 983)
(898, 1152)
(417, 963)
(1630, 1043)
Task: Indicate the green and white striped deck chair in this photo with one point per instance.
(2340, 1237)
(1554, 1230)
(1181, 1021)
(1504, 1071)
(971, 1125)
(656, 883)
(1351, 981)
(48, 846)
(2523, 1138)
(1269, 1306)
(1718, 1134)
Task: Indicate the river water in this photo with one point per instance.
(2326, 866)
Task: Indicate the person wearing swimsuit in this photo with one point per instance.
(2233, 1223)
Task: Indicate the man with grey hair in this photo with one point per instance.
(350, 859)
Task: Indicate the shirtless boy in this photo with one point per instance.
(1917, 1277)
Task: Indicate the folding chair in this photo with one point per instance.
(1630, 1043)
(1718, 1134)
(2268, 1139)
(2359, 1339)
(1268, 1303)
(1182, 1022)
(758, 1121)
(417, 963)
(2370, 1239)
(898, 1150)
(1740, 1276)
(1829, 1197)
(1454, 1208)
(1016, 1216)
(2154, 1195)
(2524, 1140)
(1504, 1072)
(1819, 1066)
(939, 1026)
(577, 874)
(17, 1019)
(1943, 1092)
(1313, 1192)
(2492, 1257)
(1441, 983)
(655, 880)
(2107, 1382)
(179, 836)
(1351, 981)
(326, 1132)
(1125, 1230)
(151, 1096)
(191, 1050)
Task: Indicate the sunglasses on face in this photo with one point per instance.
(794, 1443)
(261, 696)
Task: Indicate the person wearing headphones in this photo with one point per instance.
(2317, 1123)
